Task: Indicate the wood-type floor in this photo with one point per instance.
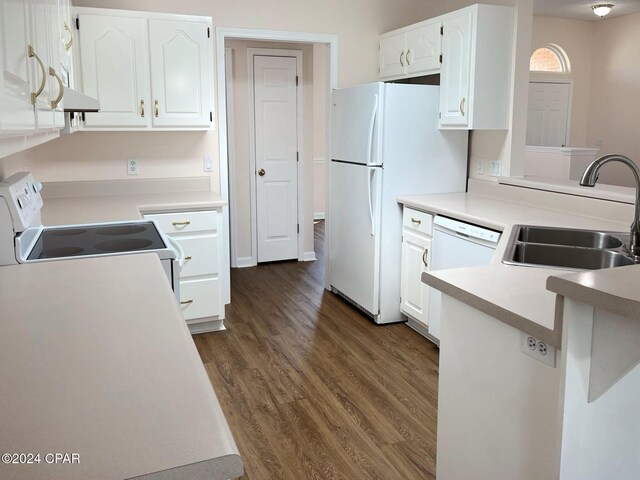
(312, 389)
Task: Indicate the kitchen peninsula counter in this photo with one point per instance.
(515, 295)
(97, 360)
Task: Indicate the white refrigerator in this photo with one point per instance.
(385, 142)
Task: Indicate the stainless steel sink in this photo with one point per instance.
(568, 248)
(570, 237)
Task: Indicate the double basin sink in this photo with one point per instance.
(567, 248)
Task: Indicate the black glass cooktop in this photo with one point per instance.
(80, 240)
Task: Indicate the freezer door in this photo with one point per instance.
(354, 253)
(356, 124)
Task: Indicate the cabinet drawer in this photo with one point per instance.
(186, 222)
(200, 298)
(201, 255)
(416, 220)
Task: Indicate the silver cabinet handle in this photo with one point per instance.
(177, 224)
(417, 222)
(67, 45)
(408, 57)
(188, 257)
(424, 257)
(462, 105)
(402, 56)
(142, 108)
(186, 302)
(156, 108)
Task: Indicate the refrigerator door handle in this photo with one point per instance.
(371, 171)
(372, 124)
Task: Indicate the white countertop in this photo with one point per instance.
(97, 360)
(514, 294)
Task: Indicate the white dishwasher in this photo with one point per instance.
(456, 244)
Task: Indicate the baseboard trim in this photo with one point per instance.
(318, 216)
(244, 262)
(309, 256)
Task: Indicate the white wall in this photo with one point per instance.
(614, 116)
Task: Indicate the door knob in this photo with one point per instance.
(261, 172)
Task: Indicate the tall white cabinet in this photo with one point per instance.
(149, 71)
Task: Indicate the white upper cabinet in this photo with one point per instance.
(113, 58)
(17, 115)
(179, 54)
(423, 49)
(149, 71)
(475, 77)
(410, 51)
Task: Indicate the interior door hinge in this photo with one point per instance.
(440, 115)
(78, 23)
(441, 29)
(296, 80)
(298, 228)
(440, 58)
(297, 156)
(211, 116)
(208, 32)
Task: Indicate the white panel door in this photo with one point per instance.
(17, 116)
(454, 73)
(354, 253)
(423, 49)
(115, 69)
(548, 114)
(416, 257)
(180, 54)
(275, 108)
(392, 56)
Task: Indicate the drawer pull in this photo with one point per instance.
(416, 221)
(177, 224)
(187, 302)
(424, 257)
(188, 257)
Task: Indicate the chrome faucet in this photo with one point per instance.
(590, 177)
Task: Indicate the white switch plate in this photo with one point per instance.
(132, 166)
(208, 163)
(494, 168)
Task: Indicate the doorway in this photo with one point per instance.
(548, 114)
(239, 198)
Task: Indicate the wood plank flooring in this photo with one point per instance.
(312, 389)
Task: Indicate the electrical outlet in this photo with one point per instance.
(208, 163)
(494, 168)
(132, 166)
(538, 349)
(480, 166)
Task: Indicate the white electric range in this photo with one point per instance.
(23, 238)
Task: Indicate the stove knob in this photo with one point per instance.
(23, 201)
(37, 187)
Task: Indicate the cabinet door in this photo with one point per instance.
(16, 111)
(65, 42)
(416, 257)
(423, 49)
(114, 63)
(393, 56)
(180, 87)
(455, 69)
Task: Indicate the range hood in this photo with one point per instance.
(75, 101)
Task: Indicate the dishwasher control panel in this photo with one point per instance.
(467, 229)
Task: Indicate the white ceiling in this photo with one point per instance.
(581, 9)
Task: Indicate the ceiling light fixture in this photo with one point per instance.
(602, 9)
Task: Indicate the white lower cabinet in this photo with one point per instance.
(198, 234)
(417, 228)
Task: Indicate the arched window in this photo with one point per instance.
(551, 58)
